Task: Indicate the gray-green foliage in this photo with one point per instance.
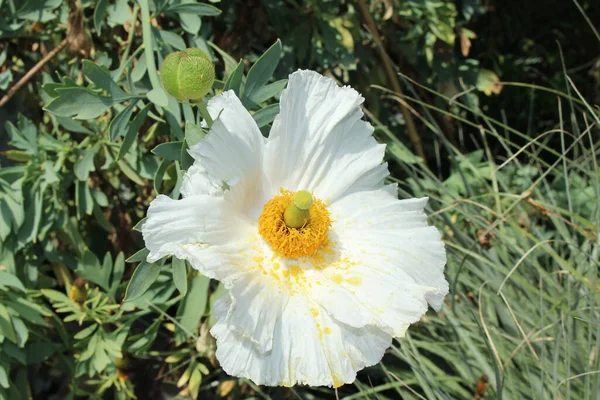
(68, 200)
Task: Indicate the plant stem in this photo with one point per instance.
(148, 45)
(204, 112)
(131, 34)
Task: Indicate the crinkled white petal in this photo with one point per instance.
(173, 226)
(319, 143)
(197, 180)
(392, 236)
(232, 152)
(222, 244)
(309, 348)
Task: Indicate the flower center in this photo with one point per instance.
(294, 224)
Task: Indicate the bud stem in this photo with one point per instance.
(204, 112)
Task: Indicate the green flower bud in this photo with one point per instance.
(78, 293)
(188, 74)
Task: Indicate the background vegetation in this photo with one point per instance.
(488, 107)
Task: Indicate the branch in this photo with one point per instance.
(15, 88)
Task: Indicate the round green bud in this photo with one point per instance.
(188, 74)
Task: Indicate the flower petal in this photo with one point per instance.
(319, 143)
(392, 263)
(173, 226)
(198, 181)
(376, 220)
(309, 348)
(232, 151)
(217, 241)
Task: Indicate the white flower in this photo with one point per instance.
(309, 305)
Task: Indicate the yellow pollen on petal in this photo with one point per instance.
(295, 270)
(355, 280)
(290, 242)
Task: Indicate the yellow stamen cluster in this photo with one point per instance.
(293, 242)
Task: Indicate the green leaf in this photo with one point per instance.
(262, 70)
(89, 268)
(138, 256)
(193, 305)
(130, 173)
(179, 275)
(266, 92)
(100, 198)
(6, 216)
(193, 133)
(7, 279)
(132, 131)
(400, 152)
(6, 326)
(194, 8)
(99, 12)
(16, 155)
(234, 82)
(443, 31)
(139, 69)
(185, 158)
(21, 331)
(82, 334)
(169, 151)
(160, 173)
(216, 295)
(73, 126)
(230, 63)
(78, 103)
(3, 378)
(50, 87)
(488, 82)
(117, 274)
(101, 77)
(190, 23)
(118, 126)
(50, 175)
(266, 115)
(33, 216)
(83, 199)
(39, 352)
(159, 97)
(173, 39)
(29, 310)
(85, 165)
(23, 136)
(145, 274)
(55, 296)
(138, 226)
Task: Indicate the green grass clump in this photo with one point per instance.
(521, 231)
